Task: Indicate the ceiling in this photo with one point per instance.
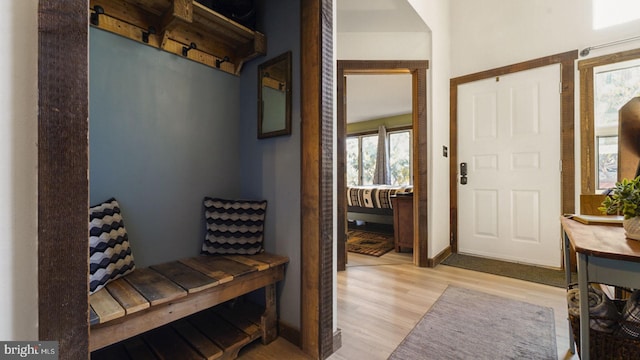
(375, 96)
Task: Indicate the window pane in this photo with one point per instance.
(612, 90)
(353, 173)
(607, 161)
(400, 157)
(369, 149)
(614, 86)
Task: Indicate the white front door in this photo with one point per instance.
(509, 137)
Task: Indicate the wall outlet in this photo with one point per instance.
(445, 151)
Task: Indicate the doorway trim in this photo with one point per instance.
(418, 71)
(317, 338)
(567, 133)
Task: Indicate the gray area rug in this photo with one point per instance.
(536, 274)
(468, 324)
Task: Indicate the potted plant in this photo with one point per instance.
(624, 199)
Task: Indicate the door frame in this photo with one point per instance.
(417, 69)
(567, 126)
(317, 336)
(509, 208)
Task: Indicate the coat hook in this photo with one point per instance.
(185, 50)
(95, 16)
(145, 34)
(219, 62)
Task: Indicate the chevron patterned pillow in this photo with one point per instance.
(110, 255)
(234, 226)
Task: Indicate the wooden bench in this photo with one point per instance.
(149, 298)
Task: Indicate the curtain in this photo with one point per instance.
(381, 173)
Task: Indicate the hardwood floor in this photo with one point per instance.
(381, 299)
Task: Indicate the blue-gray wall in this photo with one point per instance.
(271, 167)
(164, 133)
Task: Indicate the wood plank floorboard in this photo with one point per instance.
(381, 299)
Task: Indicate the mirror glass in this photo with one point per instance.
(274, 97)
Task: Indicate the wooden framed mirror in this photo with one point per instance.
(274, 97)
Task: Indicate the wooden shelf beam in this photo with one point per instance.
(177, 24)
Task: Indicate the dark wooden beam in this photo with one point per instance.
(63, 183)
(317, 178)
(310, 59)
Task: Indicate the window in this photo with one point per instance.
(614, 85)
(353, 161)
(607, 161)
(368, 152)
(400, 157)
(361, 158)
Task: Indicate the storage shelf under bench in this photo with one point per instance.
(150, 298)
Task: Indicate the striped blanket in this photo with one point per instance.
(603, 313)
(374, 196)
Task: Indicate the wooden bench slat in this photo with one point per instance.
(239, 320)
(93, 317)
(105, 306)
(131, 300)
(164, 340)
(185, 276)
(201, 343)
(250, 261)
(217, 267)
(201, 264)
(217, 329)
(271, 259)
(156, 288)
(231, 267)
(138, 349)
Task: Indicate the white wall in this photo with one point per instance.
(382, 46)
(18, 170)
(491, 33)
(436, 15)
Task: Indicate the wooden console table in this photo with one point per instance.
(605, 256)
